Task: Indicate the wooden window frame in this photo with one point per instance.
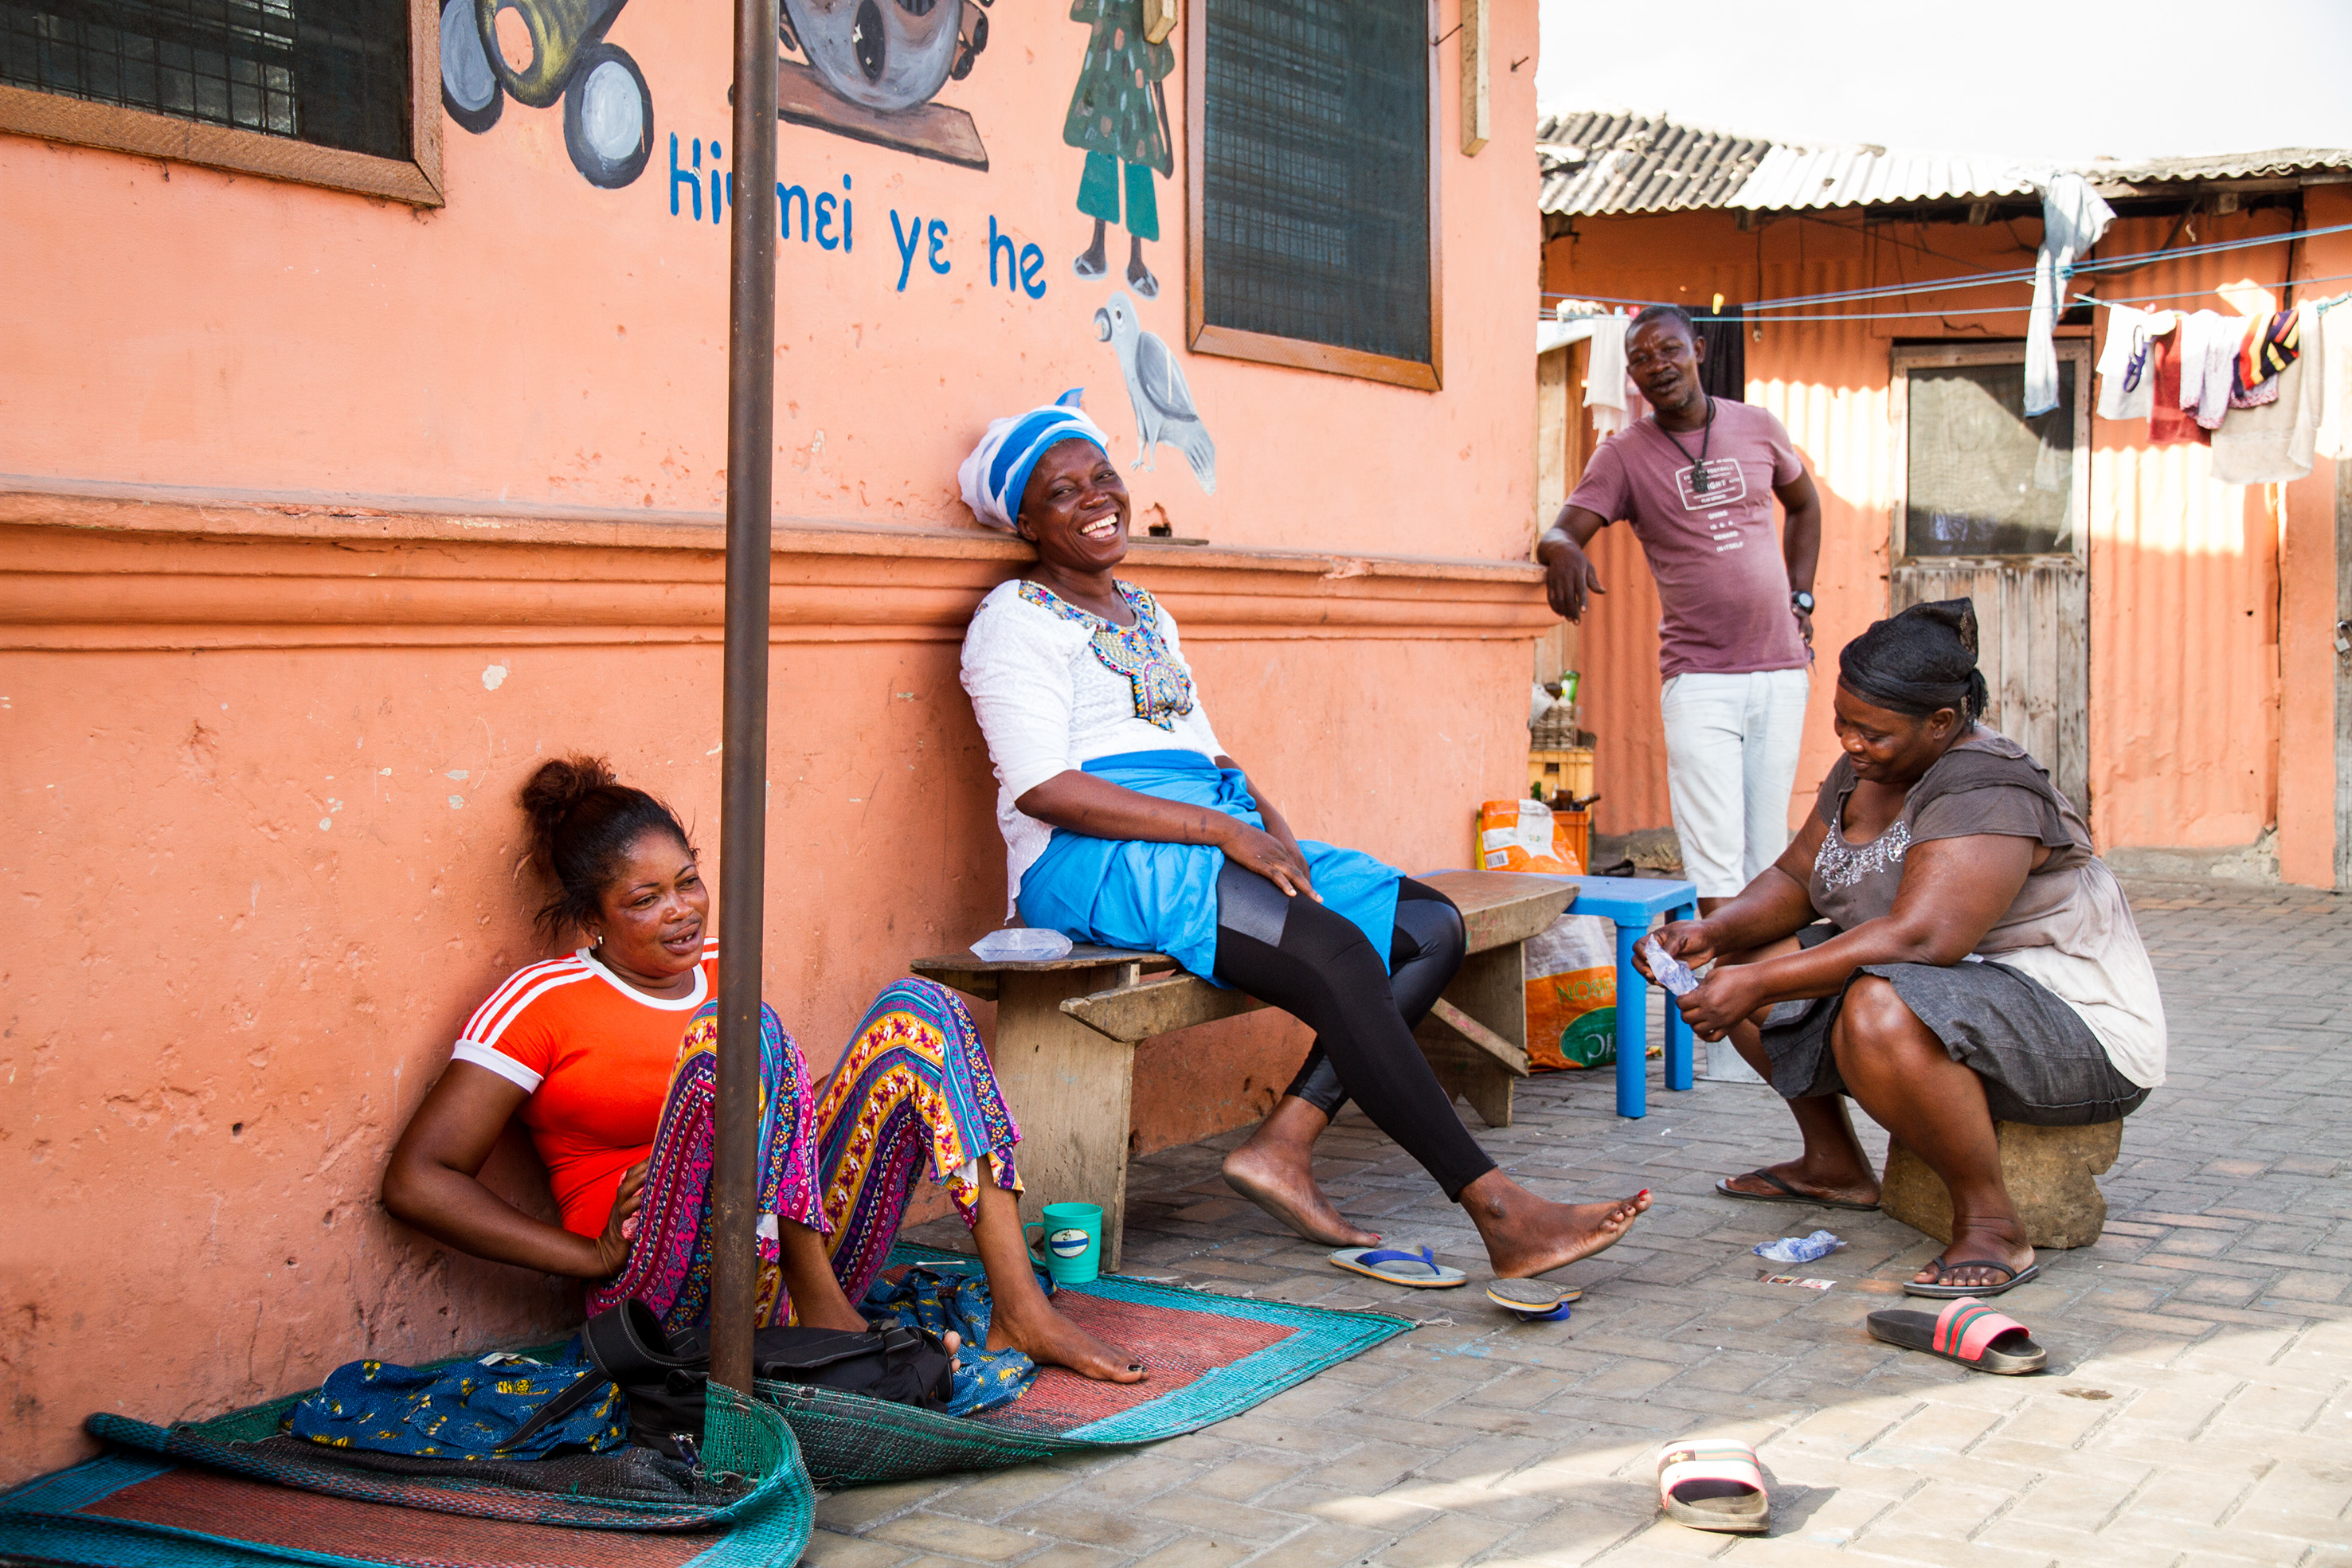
(415, 180)
(1269, 347)
(1910, 357)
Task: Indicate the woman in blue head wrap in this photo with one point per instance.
(1126, 823)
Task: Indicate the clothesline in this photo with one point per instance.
(1986, 279)
(1913, 315)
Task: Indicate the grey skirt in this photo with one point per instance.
(2040, 1061)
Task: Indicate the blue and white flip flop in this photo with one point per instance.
(1535, 1301)
(1421, 1270)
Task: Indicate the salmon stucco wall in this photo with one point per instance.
(314, 540)
(2211, 669)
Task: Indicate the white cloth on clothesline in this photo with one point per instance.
(2335, 363)
(2072, 219)
(2127, 365)
(2209, 351)
(2272, 443)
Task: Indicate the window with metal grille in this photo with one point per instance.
(332, 73)
(1313, 202)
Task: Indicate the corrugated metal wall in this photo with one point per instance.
(2184, 675)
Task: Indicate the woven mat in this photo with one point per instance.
(1211, 1357)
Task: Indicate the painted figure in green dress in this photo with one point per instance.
(1119, 118)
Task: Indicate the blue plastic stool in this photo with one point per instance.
(1632, 902)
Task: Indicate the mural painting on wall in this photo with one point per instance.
(608, 110)
(1155, 390)
(873, 67)
(1118, 119)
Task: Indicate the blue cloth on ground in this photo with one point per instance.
(1163, 898)
(940, 1299)
(465, 1411)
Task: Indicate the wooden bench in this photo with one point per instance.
(1066, 1032)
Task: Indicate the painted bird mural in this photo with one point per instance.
(1164, 414)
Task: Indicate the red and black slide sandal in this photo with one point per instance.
(1967, 1331)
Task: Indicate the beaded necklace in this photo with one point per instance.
(1163, 686)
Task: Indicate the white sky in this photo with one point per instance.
(2061, 79)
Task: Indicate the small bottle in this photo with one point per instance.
(1569, 680)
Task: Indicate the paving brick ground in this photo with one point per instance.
(2199, 1409)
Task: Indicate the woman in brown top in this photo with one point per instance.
(1940, 942)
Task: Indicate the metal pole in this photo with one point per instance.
(743, 768)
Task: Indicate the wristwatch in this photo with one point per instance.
(1802, 601)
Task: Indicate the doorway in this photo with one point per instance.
(1994, 506)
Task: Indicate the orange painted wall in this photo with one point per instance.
(2196, 636)
(322, 520)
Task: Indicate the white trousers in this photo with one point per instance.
(1731, 762)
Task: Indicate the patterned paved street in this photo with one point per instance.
(2198, 1410)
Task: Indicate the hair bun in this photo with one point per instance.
(561, 785)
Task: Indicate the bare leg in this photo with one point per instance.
(1526, 1235)
(1900, 1071)
(1275, 1170)
(1020, 1317)
(817, 1299)
(1833, 1165)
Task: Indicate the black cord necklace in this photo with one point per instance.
(1700, 481)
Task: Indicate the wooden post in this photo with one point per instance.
(743, 768)
(1477, 95)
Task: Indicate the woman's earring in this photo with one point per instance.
(600, 940)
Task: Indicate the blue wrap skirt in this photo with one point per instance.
(1163, 898)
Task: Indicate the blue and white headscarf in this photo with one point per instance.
(997, 471)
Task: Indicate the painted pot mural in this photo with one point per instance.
(608, 109)
(889, 56)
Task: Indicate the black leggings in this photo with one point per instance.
(1314, 963)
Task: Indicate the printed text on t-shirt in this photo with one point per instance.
(1725, 485)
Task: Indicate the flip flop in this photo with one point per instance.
(1967, 1331)
(1535, 1301)
(1713, 1483)
(1943, 1293)
(1421, 1270)
(1786, 1195)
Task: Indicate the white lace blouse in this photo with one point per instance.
(1054, 688)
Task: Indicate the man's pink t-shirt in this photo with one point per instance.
(1722, 584)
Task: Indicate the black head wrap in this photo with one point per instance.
(1919, 660)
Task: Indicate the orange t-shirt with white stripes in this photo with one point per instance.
(594, 1055)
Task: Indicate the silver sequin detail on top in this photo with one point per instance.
(1841, 864)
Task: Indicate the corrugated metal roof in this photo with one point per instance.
(2277, 162)
(1608, 163)
(1628, 163)
(1793, 176)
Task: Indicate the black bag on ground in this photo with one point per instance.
(665, 1382)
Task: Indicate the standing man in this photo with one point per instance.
(1735, 644)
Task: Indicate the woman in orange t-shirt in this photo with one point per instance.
(607, 1054)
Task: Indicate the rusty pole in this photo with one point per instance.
(743, 768)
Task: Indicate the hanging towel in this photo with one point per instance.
(1604, 369)
(2273, 444)
(2072, 219)
(2126, 371)
(2208, 353)
(2169, 423)
(2328, 350)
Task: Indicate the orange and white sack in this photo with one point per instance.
(1524, 835)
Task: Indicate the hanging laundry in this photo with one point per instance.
(2169, 423)
(2072, 219)
(2127, 381)
(1724, 371)
(2272, 443)
(2253, 376)
(1605, 382)
(2328, 349)
(2208, 353)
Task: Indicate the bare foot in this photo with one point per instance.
(1049, 1339)
(1998, 1239)
(837, 1313)
(1812, 1181)
(1527, 1235)
(1280, 1181)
